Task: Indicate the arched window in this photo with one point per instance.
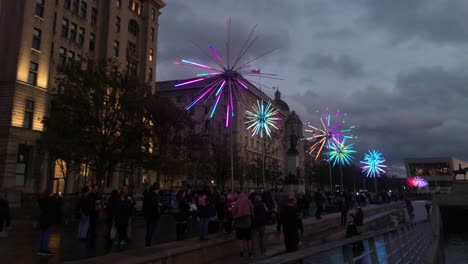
(133, 27)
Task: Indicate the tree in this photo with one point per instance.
(98, 117)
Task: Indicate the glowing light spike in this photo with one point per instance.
(196, 64)
(220, 87)
(243, 84)
(214, 106)
(328, 121)
(227, 116)
(231, 102)
(215, 53)
(207, 74)
(337, 113)
(189, 82)
(198, 99)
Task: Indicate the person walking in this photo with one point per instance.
(111, 209)
(122, 217)
(47, 212)
(292, 225)
(358, 217)
(344, 207)
(318, 204)
(4, 216)
(203, 214)
(83, 212)
(428, 208)
(95, 207)
(242, 213)
(182, 216)
(228, 214)
(151, 212)
(260, 219)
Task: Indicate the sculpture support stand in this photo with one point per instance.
(263, 163)
(232, 159)
(330, 174)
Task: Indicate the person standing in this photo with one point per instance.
(47, 212)
(203, 214)
(260, 220)
(228, 214)
(95, 206)
(181, 217)
(122, 217)
(111, 208)
(242, 213)
(344, 210)
(358, 217)
(428, 208)
(292, 225)
(151, 212)
(84, 209)
(318, 204)
(4, 215)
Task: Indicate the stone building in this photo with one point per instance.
(248, 148)
(38, 35)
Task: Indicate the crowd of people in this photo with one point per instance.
(245, 213)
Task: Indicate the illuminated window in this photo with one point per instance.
(81, 33)
(152, 34)
(36, 43)
(62, 56)
(93, 16)
(151, 54)
(65, 25)
(117, 24)
(75, 6)
(119, 3)
(33, 69)
(66, 4)
(22, 164)
(40, 8)
(73, 29)
(116, 48)
(83, 9)
(92, 41)
(28, 114)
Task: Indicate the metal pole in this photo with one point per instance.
(232, 159)
(375, 184)
(330, 173)
(263, 164)
(341, 175)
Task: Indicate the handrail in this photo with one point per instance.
(307, 252)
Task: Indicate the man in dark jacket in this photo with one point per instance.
(151, 212)
(260, 220)
(318, 204)
(292, 225)
(48, 211)
(95, 203)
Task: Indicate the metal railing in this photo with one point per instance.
(401, 244)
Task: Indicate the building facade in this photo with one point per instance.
(39, 35)
(440, 172)
(248, 148)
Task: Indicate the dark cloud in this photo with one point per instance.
(439, 21)
(344, 66)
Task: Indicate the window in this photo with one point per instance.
(152, 34)
(180, 99)
(207, 109)
(33, 69)
(36, 43)
(54, 25)
(92, 41)
(119, 3)
(66, 4)
(28, 114)
(65, 24)
(40, 8)
(137, 8)
(133, 27)
(207, 124)
(116, 48)
(151, 54)
(73, 29)
(81, 32)
(62, 56)
(22, 159)
(131, 47)
(153, 14)
(83, 10)
(131, 68)
(117, 24)
(78, 58)
(71, 56)
(75, 6)
(93, 16)
(150, 74)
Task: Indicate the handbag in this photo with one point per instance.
(113, 232)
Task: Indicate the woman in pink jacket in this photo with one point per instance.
(242, 213)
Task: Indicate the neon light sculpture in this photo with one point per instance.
(417, 182)
(262, 118)
(340, 153)
(228, 78)
(373, 164)
(329, 133)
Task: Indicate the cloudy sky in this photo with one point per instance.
(398, 68)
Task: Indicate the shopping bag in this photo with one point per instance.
(83, 227)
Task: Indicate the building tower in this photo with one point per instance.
(36, 37)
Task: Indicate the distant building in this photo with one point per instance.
(248, 147)
(39, 35)
(439, 172)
